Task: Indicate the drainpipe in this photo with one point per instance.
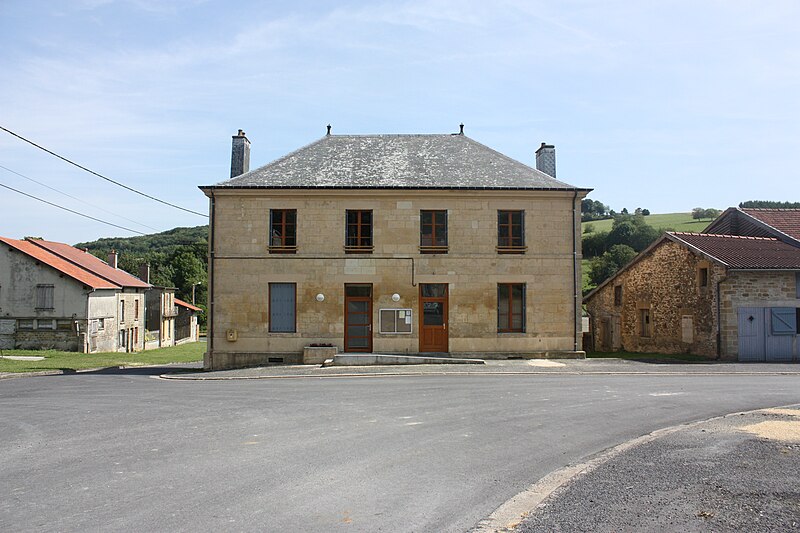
(575, 315)
(210, 307)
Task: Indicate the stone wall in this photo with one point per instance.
(666, 283)
(243, 269)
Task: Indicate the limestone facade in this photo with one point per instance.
(241, 269)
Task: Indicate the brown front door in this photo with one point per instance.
(357, 318)
(433, 317)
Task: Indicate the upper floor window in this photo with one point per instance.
(283, 231)
(359, 231)
(44, 296)
(511, 232)
(702, 277)
(433, 232)
(617, 295)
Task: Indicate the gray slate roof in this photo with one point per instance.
(395, 161)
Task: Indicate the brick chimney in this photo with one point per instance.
(240, 155)
(112, 258)
(144, 272)
(546, 159)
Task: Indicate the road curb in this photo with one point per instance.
(178, 377)
(509, 515)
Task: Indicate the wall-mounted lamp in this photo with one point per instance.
(395, 297)
(320, 297)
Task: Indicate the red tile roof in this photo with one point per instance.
(743, 252)
(91, 263)
(784, 220)
(186, 304)
(65, 267)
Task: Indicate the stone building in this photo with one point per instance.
(54, 296)
(715, 295)
(392, 244)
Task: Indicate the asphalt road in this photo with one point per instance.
(124, 451)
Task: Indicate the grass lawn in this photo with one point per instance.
(55, 360)
(650, 357)
(674, 221)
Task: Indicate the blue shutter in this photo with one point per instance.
(784, 321)
(282, 307)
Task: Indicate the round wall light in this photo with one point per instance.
(320, 297)
(395, 297)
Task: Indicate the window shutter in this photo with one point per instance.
(282, 307)
(783, 321)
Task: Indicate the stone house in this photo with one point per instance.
(724, 296)
(55, 296)
(400, 244)
(186, 328)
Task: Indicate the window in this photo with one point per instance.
(44, 296)
(359, 231)
(702, 277)
(122, 310)
(25, 323)
(282, 307)
(101, 324)
(433, 232)
(136, 309)
(65, 325)
(644, 322)
(617, 295)
(511, 307)
(45, 324)
(283, 231)
(510, 232)
(797, 284)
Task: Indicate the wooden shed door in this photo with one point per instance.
(433, 335)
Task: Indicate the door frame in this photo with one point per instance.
(367, 299)
(445, 324)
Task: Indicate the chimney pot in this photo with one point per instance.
(240, 154)
(329, 130)
(546, 159)
(461, 129)
(144, 272)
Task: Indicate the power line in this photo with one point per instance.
(76, 198)
(90, 171)
(71, 211)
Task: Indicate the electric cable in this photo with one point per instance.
(70, 210)
(76, 198)
(90, 171)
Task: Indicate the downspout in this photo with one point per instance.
(575, 316)
(210, 307)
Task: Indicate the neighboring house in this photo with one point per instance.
(714, 295)
(160, 313)
(186, 329)
(393, 244)
(55, 296)
(781, 224)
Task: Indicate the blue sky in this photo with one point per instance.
(667, 105)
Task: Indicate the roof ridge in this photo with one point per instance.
(769, 208)
(748, 237)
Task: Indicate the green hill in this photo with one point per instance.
(672, 221)
(166, 242)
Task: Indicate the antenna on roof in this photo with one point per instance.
(329, 130)
(461, 129)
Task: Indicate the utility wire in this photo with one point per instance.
(76, 198)
(100, 175)
(71, 211)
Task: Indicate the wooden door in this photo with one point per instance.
(357, 318)
(433, 335)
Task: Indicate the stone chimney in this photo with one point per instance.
(112, 258)
(546, 159)
(144, 272)
(240, 155)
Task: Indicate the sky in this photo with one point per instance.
(664, 105)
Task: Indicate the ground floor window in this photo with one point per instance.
(510, 307)
(282, 307)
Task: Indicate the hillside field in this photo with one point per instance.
(672, 221)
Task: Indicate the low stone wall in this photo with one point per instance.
(46, 340)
